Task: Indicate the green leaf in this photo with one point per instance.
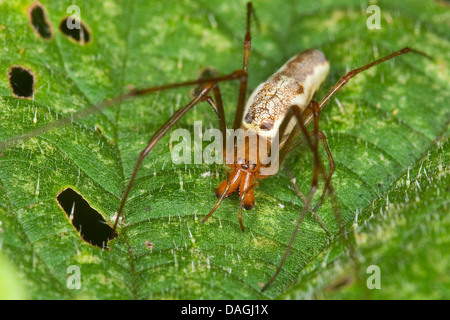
(11, 286)
(379, 128)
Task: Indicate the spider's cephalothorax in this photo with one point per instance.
(248, 165)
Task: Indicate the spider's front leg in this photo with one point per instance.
(206, 85)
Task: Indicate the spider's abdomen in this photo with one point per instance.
(293, 84)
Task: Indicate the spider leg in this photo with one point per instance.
(243, 84)
(236, 75)
(338, 86)
(314, 111)
(217, 105)
(202, 95)
(313, 145)
(327, 177)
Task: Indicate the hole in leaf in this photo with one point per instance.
(75, 29)
(39, 22)
(21, 81)
(90, 223)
